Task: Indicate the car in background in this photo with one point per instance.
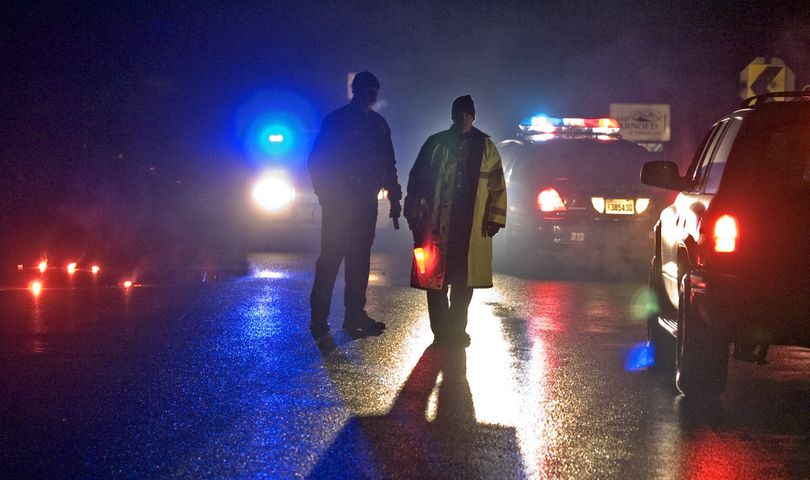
(272, 203)
(731, 262)
(575, 199)
(281, 211)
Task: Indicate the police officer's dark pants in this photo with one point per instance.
(347, 232)
(449, 317)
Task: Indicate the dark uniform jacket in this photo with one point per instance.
(353, 157)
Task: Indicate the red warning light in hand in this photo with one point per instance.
(421, 258)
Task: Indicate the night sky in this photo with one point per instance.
(164, 83)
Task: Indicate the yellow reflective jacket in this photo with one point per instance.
(428, 203)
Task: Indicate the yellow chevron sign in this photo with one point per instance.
(760, 77)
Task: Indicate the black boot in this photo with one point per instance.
(361, 325)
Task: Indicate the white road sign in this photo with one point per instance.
(642, 122)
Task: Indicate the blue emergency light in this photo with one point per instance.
(275, 128)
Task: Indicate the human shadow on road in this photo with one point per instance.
(405, 444)
(326, 344)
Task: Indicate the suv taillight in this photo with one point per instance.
(549, 200)
(726, 234)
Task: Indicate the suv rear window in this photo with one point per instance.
(774, 147)
(587, 162)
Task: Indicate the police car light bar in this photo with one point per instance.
(541, 128)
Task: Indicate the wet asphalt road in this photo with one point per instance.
(222, 380)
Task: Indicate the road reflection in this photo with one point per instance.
(507, 389)
(405, 444)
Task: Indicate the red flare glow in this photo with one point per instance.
(421, 256)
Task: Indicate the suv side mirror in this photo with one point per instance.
(663, 174)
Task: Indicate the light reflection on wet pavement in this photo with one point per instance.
(222, 380)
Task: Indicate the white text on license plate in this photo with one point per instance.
(619, 206)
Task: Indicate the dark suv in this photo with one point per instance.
(731, 264)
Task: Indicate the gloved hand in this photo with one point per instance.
(493, 228)
(395, 213)
(396, 209)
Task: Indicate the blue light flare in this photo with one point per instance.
(275, 127)
(639, 357)
(273, 135)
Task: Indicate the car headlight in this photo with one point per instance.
(273, 193)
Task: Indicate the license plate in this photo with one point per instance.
(619, 206)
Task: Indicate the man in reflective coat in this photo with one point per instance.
(351, 160)
(456, 203)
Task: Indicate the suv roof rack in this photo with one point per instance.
(753, 101)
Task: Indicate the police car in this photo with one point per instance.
(280, 196)
(574, 194)
(731, 263)
(277, 206)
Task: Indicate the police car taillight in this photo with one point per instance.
(549, 200)
(726, 234)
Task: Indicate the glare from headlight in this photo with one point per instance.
(642, 204)
(273, 193)
(71, 268)
(36, 288)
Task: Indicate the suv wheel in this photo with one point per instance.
(701, 354)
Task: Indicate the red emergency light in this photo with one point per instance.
(549, 200)
(726, 234)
